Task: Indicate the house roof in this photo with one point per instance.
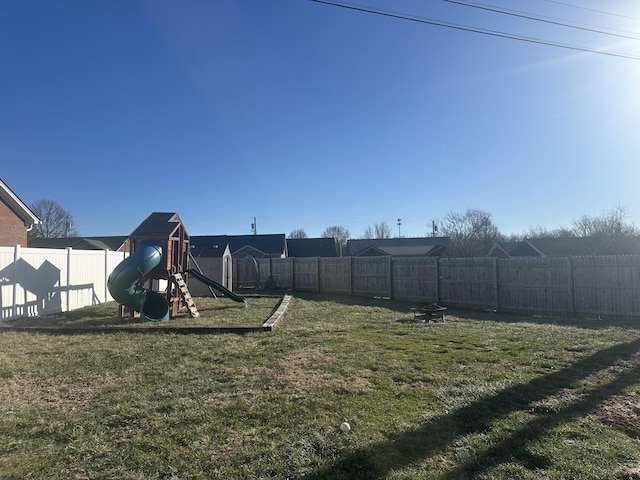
(23, 212)
(273, 245)
(158, 225)
(567, 247)
(503, 249)
(312, 247)
(418, 246)
(81, 243)
(208, 246)
(583, 246)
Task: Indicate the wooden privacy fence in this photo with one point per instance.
(557, 286)
(42, 281)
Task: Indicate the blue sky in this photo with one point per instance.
(307, 115)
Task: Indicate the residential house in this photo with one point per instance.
(312, 247)
(398, 247)
(113, 243)
(567, 247)
(212, 255)
(503, 249)
(257, 246)
(16, 219)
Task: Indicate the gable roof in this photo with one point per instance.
(23, 212)
(158, 225)
(418, 246)
(504, 249)
(271, 245)
(584, 246)
(209, 245)
(567, 247)
(312, 247)
(113, 243)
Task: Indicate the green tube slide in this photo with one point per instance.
(221, 288)
(122, 283)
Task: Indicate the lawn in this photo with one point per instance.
(482, 395)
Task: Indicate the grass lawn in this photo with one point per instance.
(482, 395)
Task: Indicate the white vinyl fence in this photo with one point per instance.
(42, 281)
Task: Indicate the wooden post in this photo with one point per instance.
(571, 288)
(390, 277)
(318, 274)
(350, 275)
(496, 282)
(437, 269)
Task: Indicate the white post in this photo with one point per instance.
(106, 275)
(16, 257)
(69, 253)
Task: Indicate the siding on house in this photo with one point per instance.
(15, 218)
(13, 231)
(312, 247)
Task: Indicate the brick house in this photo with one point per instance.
(16, 219)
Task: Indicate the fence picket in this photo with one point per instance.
(547, 286)
(40, 281)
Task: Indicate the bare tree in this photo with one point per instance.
(298, 233)
(612, 223)
(56, 221)
(383, 230)
(341, 235)
(379, 230)
(472, 233)
(544, 232)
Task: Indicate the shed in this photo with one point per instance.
(216, 265)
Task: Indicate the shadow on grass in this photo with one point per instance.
(440, 434)
(578, 322)
(404, 307)
(104, 314)
(352, 300)
(103, 318)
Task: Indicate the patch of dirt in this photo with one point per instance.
(308, 368)
(621, 412)
(61, 392)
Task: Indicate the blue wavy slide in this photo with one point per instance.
(221, 288)
(122, 283)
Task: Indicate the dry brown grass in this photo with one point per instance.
(58, 392)
(305, 369)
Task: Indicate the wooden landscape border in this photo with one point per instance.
(267, 326)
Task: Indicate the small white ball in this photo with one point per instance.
(345, 427)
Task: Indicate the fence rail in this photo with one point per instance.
(587, 286)
(35, 281)
(42, 281)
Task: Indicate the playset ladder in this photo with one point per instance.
(184, 291)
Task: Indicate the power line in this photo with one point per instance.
(494, 33)
(591, 9)
(514, 13)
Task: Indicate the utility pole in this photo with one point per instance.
(399, 223)
(434, 228)
(254, 226)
